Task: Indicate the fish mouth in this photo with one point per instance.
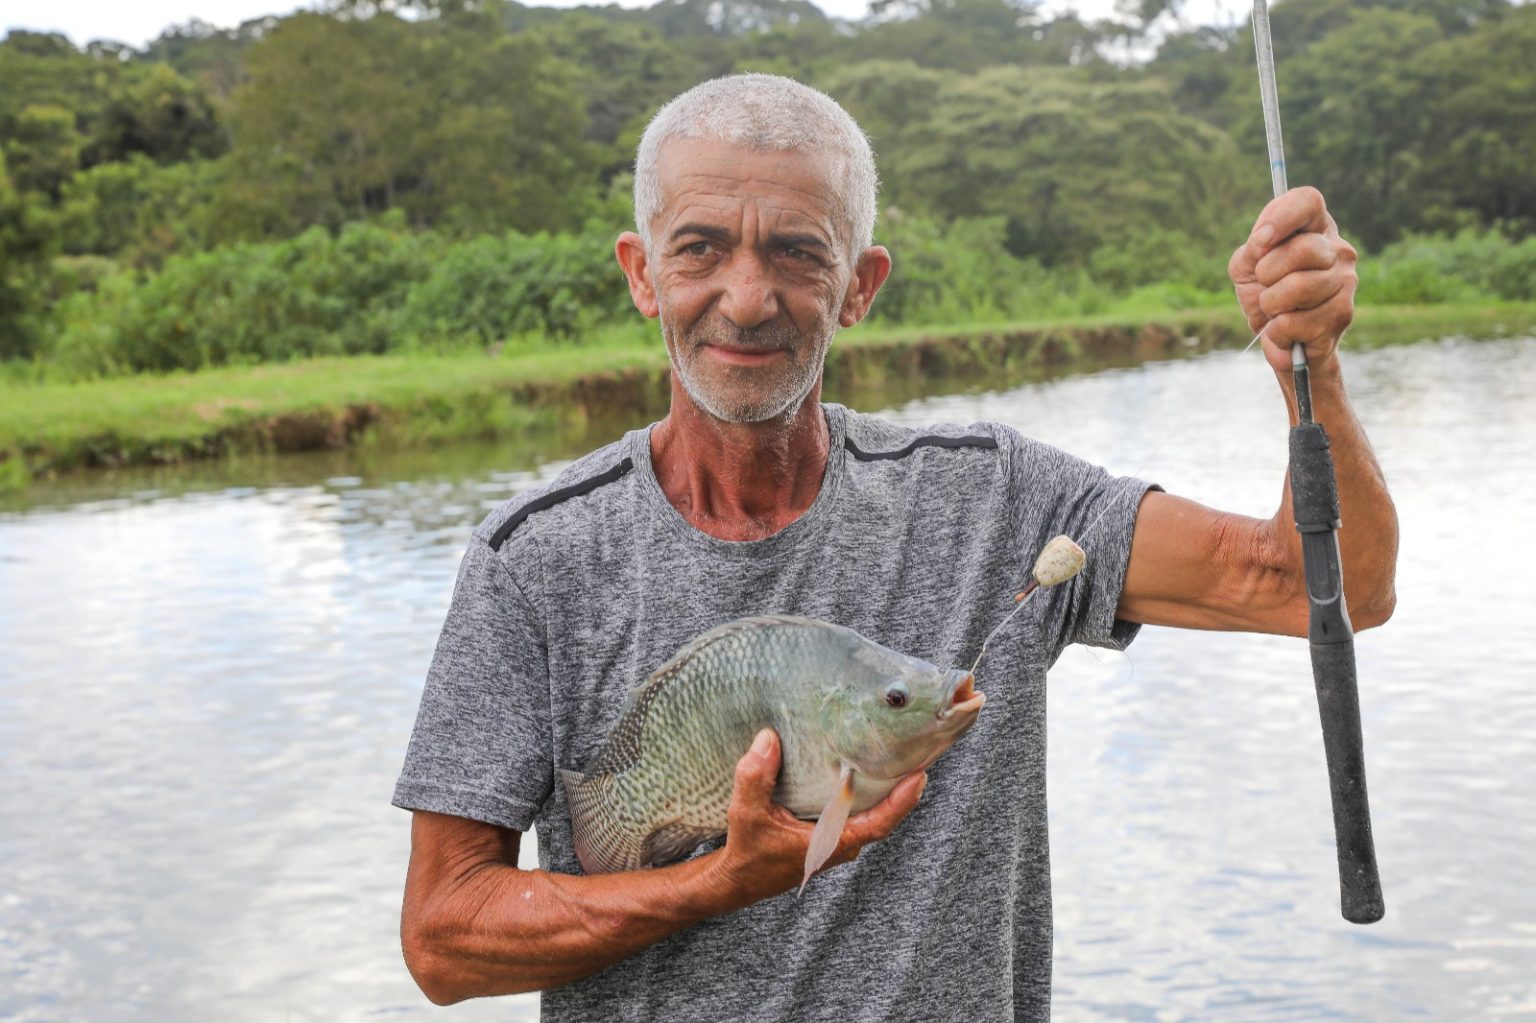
(964, 700)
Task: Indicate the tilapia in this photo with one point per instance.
(853, 718)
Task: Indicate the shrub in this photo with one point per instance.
(487, 289)
(310, 295)
(1467, 266)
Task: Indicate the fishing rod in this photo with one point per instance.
(1315, 502)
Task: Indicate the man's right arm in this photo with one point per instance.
(473, 924)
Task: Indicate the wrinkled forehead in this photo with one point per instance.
(796, 187)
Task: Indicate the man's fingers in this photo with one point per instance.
(881, 819)
(1300, 209)
(1308, 251)
(1318, 328)
(1300, 291)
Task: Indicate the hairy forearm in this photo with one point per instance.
(483, 927)
(1368, 538)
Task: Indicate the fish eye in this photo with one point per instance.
(896, 695)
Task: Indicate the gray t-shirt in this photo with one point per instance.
(570, 596)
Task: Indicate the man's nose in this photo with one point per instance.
(747, 298)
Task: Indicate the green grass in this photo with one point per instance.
(49, 426)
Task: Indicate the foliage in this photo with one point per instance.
(374, 287)
(417, 173)
(311, 295)
(25, 248)
(343, 120)
(43, 149)
(114, 107)
(490, 288)
(959, 272)
(138, 211)
(1472, 265)
(1481, 146)
(1071, 163)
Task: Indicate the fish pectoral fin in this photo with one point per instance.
(829, 826)
(674, 841)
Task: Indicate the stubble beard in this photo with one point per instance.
(740, 394)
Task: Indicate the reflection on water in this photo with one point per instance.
(205, 693)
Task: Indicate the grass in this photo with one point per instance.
(426, 398)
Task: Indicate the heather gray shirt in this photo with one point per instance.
(565, 601)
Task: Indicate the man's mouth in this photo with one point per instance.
(744, 356)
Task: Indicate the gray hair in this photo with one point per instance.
(767, 113)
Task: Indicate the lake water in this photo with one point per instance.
(206, 685)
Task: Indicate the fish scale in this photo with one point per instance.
(663, 780)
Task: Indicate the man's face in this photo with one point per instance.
(749, 263)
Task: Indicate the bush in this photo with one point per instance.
(310, 295)
(1161, 257)
(1468, 266)
(487, 289)
(138, 211)
(956, 273)
(373, 288)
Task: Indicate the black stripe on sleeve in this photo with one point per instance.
(919, 442)
(554, 497)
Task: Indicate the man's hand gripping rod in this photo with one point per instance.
(1315, 500)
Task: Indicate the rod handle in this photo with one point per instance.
(1338, 704)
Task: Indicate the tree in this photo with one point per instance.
(137, 211)
(626, 72)
(161, 114)
(116, 106)
(961, 34)
(26, 246)
(1481, 94)
(1072, 164)
(43, 149)
(1357, 121)
(448, 122)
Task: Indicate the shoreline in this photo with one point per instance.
(49, 429)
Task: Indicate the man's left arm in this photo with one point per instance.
(1195, 567)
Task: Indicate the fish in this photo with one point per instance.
(853, 718)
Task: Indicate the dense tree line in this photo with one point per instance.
(136, 187)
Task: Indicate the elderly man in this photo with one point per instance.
(755, 205)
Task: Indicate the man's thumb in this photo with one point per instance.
(757, 772)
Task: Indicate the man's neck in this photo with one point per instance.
(740, 481)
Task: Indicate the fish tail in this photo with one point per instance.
(605, 840)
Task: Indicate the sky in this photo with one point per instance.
(139, 21)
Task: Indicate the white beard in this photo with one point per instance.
(742, 394)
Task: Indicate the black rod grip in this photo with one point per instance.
(1338, 704)
(1315, 501)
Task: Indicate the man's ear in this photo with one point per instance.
(632, 256)
(873, 268)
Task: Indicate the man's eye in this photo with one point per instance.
(798, 255)
(696, 249)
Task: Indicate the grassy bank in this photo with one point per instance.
(47, 428)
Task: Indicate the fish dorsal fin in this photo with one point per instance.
(604, 840)
(829, 826)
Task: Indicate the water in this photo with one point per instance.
(206, 686)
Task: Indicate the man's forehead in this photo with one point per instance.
(705, 174)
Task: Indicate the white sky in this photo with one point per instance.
(137, 21)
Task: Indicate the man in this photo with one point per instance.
(754, 203)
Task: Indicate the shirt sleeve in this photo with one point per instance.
(1056, 493)
(481, 745)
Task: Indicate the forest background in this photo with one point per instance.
(447, 176)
